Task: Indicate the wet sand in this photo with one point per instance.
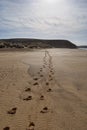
(43, 90)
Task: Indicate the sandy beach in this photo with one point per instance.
(43, 89)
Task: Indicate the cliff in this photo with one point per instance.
(35, 43)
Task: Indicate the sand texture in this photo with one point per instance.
(43, 90)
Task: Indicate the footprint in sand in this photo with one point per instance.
(50, 76)
(41, 69)
(27, 89)
(50, 79)
(28, 98)
(41, 75)
(12, 111)
(35, 79)
(6, 128)
(36, 84)
(31, 126)
(47, 83)
(44, 66)
(51, 71)
(41, 97)
(49, 90)
(45, 110)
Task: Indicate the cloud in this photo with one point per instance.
(42, 19)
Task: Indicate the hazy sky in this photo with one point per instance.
(57, 19)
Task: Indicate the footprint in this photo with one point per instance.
(47, 83)
(52, 73)
(49, 90)
(6, 128)
(41, 69)
(12, 111)
(27, 90)
(50, 76)
(36, 83)
(42, 97)
(44, 66)
(78, 88)
(13, 84)
(50, 79)
(45, 110)
(41, 75)
(35, 78)
(31, 126)
(28, 98)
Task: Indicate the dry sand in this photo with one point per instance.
(43, 90)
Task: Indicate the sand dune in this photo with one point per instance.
(43, 90)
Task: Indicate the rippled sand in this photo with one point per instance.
(43, 90)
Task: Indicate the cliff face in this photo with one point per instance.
(61, 44)
(35, 43)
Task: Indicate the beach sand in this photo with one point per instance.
(43, 90)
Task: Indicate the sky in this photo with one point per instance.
(44, 19)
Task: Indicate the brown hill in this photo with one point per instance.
(35, 43)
